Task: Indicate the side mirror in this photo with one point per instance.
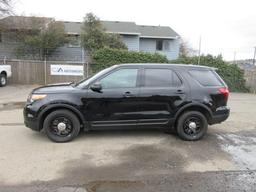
(96, 87)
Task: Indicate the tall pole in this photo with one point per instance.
(199, 51)
(253, 61)
(45, 70)
(83, 61)
(234, 61)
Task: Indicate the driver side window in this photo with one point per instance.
(123, 78)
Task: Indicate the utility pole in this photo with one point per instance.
(45, 70)
(234, 61)
(253, 61)
(199, 51)
(83, 61)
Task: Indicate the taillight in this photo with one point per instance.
(224, 91)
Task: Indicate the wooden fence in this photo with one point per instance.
(39, 72)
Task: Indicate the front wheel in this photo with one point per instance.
(3, 80)
(61, 126)
(192, 126)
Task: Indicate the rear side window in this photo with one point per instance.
(161, 78)
(206, 77)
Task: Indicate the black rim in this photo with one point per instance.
(192, 126)
(61, 126)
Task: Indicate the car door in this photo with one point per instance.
(161, 94)
(116, 104)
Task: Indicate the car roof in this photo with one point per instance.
(190, 66)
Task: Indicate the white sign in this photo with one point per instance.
(74, 70)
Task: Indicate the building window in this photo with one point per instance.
(1, 38)
(166, 45)
(159, 45)
(74, 41)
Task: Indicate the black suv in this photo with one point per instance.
(184, 98)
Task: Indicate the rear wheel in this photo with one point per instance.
(3, 80)
(192, 126)
(61, 126)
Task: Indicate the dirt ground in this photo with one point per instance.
(225, 160)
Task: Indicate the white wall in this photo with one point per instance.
(149, 45)
(131, 41)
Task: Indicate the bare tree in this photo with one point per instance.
(185, 49)
(5, 7)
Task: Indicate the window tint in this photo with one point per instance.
(161, 78)
(123, 78)
(159, 45)
(206, 77)
(176, 82)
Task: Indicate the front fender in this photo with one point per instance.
(51, 107)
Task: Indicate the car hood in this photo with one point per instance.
(55, 88)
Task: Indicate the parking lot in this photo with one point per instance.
(225, 160)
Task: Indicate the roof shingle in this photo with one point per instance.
(156, 31)
(121, 27)
(20, 22)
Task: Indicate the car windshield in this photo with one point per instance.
(86, 81)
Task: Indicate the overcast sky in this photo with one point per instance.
(226, 26)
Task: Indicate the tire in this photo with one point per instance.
(3, 80)
(61, 126)
(192, 126)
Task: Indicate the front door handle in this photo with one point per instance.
(128, 94)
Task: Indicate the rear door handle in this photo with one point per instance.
(128, 94)
(179, 91)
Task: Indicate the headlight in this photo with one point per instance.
(36, 97)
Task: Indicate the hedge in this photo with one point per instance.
(231, 74)
(107, 57)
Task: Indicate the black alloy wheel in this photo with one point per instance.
(192, 126)
(61, 126)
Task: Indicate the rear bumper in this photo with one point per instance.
(220, 115)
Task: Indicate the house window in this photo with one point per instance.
(166, 45)
(74, 41)
(159, 45)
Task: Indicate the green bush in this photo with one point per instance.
(231, 74)
(107, 57)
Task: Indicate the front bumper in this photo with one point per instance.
(220, 115)
(30, 120)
